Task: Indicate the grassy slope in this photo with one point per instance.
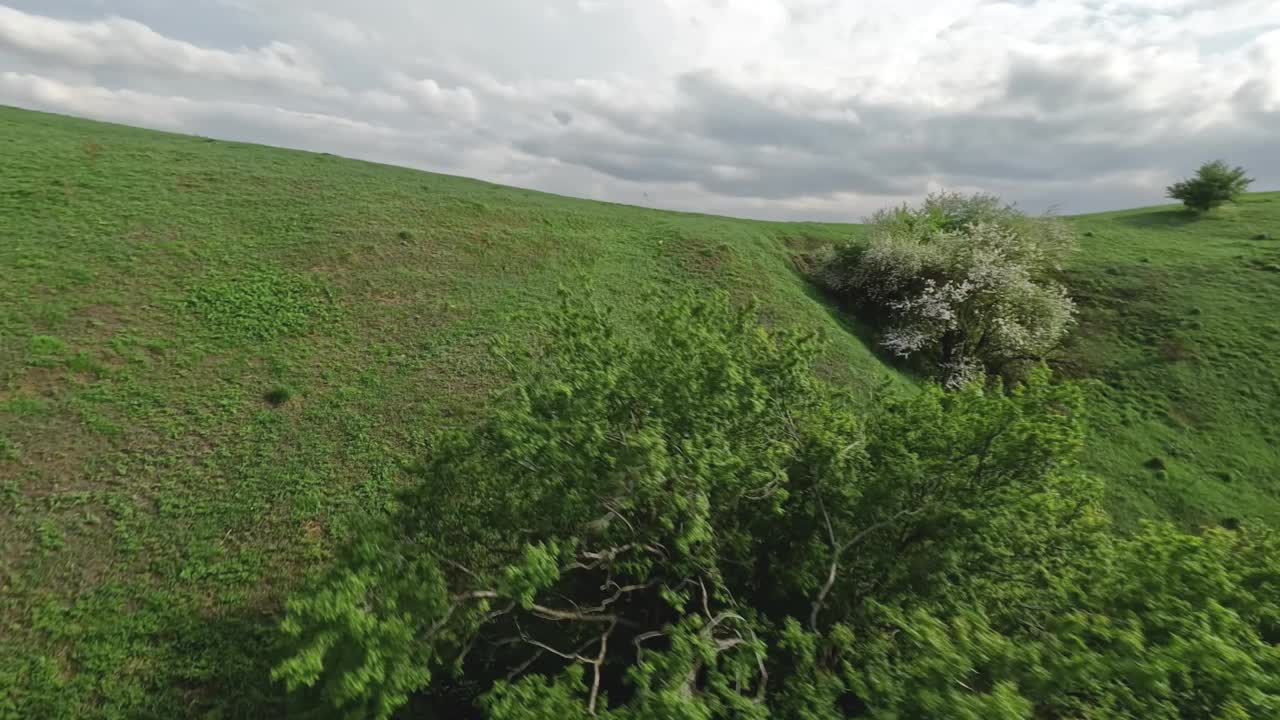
(154, 504)
(1180, 320)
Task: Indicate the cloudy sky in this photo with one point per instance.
(813, 109)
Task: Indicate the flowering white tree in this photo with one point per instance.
(963, 281)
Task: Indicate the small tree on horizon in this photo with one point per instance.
(1214, 184)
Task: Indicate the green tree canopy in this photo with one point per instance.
(1215, 183)
(685, 522)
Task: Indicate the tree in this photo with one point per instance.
(685, 522)
(1168, 626)
(1214, 184)
(594, 543)
(962, 282)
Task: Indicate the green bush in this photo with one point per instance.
(686, 523)
(963, 283)
(1214, 184)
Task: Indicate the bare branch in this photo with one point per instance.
(599, 664)
(608, 555)
(764, 674)
(556, 614)
(643, 637)
(614, 511)
(831, 571)
(726, 615)
(764, 492)
(567, 656)
(837, 552)
(619, 592)
(460, 566)
(862, 535)
(705, 607)
(475, 595)
(495, 614)
(456, 602)
(515, 672)
(826, 519)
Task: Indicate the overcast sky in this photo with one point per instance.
(792, 109)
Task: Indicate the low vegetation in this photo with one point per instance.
(687, 523)
(963, 282)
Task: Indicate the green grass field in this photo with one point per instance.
(1180, 324)
(215, 357)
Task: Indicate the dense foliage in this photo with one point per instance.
(686, 523)
(1215, 183)
(963, 282)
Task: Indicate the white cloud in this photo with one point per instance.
(120, 106)
(184, 113)
(123, 43)
(458, 103)
(774, 108)
(340, 30)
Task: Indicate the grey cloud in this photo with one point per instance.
(629, 102)
(241, 121)
(1052, 124)
(1056, 86)
(122, 43)
(202, 22)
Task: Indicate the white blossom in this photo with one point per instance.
(963, 279)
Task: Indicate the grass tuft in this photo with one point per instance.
(277, 395)
(260, 305)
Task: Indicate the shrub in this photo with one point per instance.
(685, 522)
(1215, 183)
(963, 282)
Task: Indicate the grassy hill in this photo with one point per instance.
(215, 357)
(1180, 323)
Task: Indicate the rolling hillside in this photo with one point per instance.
(214, 357)
(1180, 324)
